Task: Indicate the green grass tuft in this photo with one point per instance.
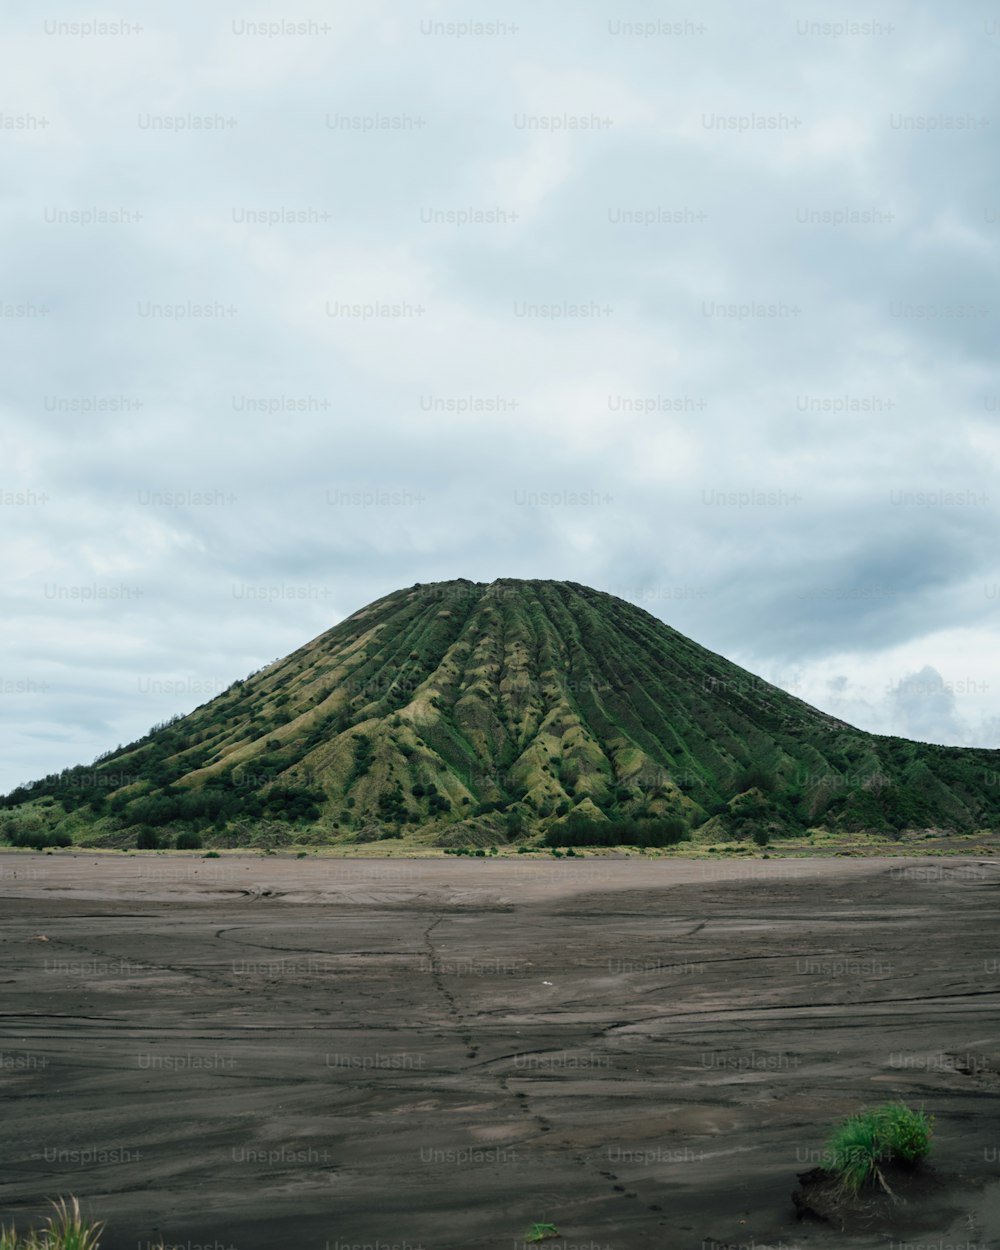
(863, 1143)
(541, 1232)
(66, 1229)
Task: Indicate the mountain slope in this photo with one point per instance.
(481, 712)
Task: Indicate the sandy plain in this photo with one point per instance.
(261, 1053)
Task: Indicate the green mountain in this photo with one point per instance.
(472, 713)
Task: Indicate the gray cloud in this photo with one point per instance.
(925, 705)
(785, 419)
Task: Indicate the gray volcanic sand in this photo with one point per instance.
(268, 1053)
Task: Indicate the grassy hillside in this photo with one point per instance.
(476, 713)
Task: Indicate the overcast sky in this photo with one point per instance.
(696, 306)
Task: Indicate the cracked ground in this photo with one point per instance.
(267, 1053)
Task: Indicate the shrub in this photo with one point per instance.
(583, 831)
(147, 840)
(364, 757)
(754, 779)
(188, 840)
(515, 824)
(38, 839)
(293, 803)
(760, 836)
(890, 1133)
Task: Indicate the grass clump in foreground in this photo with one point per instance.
(66, 1229)
(863, 1143)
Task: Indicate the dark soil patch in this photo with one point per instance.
(916, 1195)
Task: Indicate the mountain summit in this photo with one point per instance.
(467, 712)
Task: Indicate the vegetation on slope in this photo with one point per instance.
(490, 713)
